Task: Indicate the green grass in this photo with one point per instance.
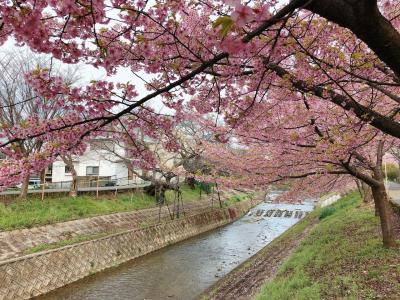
(74, 240)
(238, 198)
(326, 212)
(34, 212)
(187, 194)
(342, 258)
(326, 196)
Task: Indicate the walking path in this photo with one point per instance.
(15, 243)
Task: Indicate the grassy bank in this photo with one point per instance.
(342, 258)
(240, 198)
(34, 211)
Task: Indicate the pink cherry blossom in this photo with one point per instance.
(242, 15)
(295, 99)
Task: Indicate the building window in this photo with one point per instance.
(67, 170)
(101, 145)
(90, 171)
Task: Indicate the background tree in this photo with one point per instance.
(396, 154)
(161, 158)
(68, 160)
(314, 154)
(19, 103)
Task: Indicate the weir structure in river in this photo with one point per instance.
(184, 270)
(279, 213)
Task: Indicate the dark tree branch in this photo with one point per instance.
(366, 114)
(365, 20)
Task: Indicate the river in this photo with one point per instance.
(184, 270)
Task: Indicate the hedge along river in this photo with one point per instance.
(184, 270)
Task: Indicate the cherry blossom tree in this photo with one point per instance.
(307, 179)
(20, 103)
(314, 154)
(162, 158)
(214, 46)
(334, 64)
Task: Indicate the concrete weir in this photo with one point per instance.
(279, 213)
(40, 273)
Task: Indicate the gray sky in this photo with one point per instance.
(88, 73)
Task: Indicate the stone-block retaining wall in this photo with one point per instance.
(32, 275)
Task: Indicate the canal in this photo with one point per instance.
(186, 269)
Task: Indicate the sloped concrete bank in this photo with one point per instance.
(36, 274)
(16, 243)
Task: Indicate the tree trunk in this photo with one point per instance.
(367, 192)
(218, 194)
(43, 176)
(359, 187)
(161, 195)
(42, 182)
(191, 182)
(73, 189)
(386, 215)
(24, 188)
(158, 191)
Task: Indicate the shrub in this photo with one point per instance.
(393, 172)
(204, 186)
(326, 212)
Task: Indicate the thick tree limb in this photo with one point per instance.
(364, 113)
(365, 20)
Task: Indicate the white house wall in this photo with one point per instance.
(109, 166)
(58, 172)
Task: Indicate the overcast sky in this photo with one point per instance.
(88, 73)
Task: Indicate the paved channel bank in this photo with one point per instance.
(40, 273)
(19, 242)
(16, 243)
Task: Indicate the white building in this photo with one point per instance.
(97, 162)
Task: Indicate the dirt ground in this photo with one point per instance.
(245, 281)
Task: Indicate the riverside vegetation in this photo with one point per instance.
(342, 258)
(34, 211)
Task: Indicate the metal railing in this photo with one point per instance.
(95, 184)
(96, 181)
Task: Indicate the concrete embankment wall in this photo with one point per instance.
(16, 243)
(330, 200)
(39, 273)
